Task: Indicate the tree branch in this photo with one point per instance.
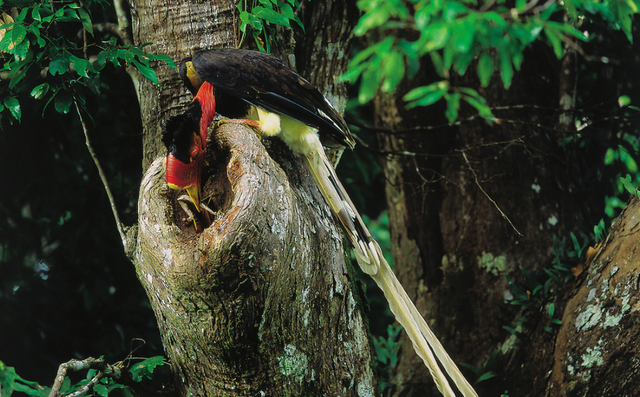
(103, 178)
(104, 370)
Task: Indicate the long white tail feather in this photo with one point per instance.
(341, 205)
(385, 281)
(371, 261)
(426, 335)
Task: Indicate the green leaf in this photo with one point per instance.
(426, 95)
(13, 105)
(101, 389)
(485, 69)
(434, 37)
(371, 20)
(29, 388)
(250, 20)
(462, 36)
(287, 11)
(506, 70)
(146, 71)
(40, 91)
(576, 244)
(474, 99)
(59, 66)
(371, 79)
(453, 106)
(86, 20)
(12, 39)
(163, 58)
(268, 3)
(80, 65)
(553, 276)
(420, 92)
(145, 368)
(626, 182)
(599, 231)
(486, 375)
(271, 16)
(624, 100)
(438, 63)
(512, 331)
(555, 39)
(352, 73)
(452, 9)
(393, 71)
(463, 61)
(113, 386)
(366, 53)
(63, 101)
(126, 55)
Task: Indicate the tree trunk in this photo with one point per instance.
(474, 203)
(177, 29)
(596, 351)
(262, 302)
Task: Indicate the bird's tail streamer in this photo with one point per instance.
(372, 262)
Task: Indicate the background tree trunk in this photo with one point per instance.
(596, 351)
(262, 302)
(473, 203)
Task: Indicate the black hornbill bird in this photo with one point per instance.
(185, 137)
(260, 91)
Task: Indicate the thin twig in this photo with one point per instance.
(104, 370)
(475, 176)
(103, 177)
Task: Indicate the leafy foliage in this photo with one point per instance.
(386, 349)
(258, 18)
(453, 35)
(537, 292)
(484, 373)
(10, 381)
(101, 385)
(51, 66)
(57, 237)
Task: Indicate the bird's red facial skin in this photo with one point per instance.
(181, 175)
(208, 105)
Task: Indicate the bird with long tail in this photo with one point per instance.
(260, 91)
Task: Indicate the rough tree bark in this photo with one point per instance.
(476, 202)
(596, 352)
(262, 302)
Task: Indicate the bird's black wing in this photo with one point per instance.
(265, 81)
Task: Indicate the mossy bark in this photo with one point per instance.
(262, 301)
(596, 351)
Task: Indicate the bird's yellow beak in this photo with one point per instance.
(194, 194)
